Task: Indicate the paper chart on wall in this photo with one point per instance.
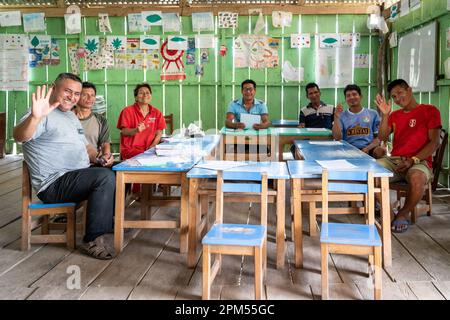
(302, 40)
(13, 41)
(363, 60)
(202, 21)
(135, 57)
(228, 19)
(33, 22)
(39, 41)
(149, 42)
(281, 19)
(254, 51)
(291, 73)
(103, 23)
(333, 67)
(116, 42)
(171, 22)
(151, 18)
(414, 4)
(204, 41)
(404, 8)
(177, 43)
(135, 22)
(14, 73)
(72, 23)
(10, 19)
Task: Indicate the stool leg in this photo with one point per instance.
(258, 273)
(70, 229)
(324, 264)
(26, 230)
(378, 276)
(206, 273)
(44, 225)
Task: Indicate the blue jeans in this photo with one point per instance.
(96, 185)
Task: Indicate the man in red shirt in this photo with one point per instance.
(416, 129)
(140, 124)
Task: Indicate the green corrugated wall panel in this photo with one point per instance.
(273, 102)
(190, 103)
(172, 103)
(208, 110)
(308, 24)
(116, 101)
(55, 26)
(362, 75)
(360, 22)
(328, 96)
(326, 23)
(3, 101)
(345, 23)
(291, 104)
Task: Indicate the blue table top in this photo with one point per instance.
(310, 150)
(311, 169)
(285, 122)
(275, 170)
(205, 144)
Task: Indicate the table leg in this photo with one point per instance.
(119, 212)
(192, 238)
(184, 213)
(298, 228)
(281, 222)
(386, 222)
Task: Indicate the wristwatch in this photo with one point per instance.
(416, 160)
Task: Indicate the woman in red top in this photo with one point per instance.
(140, 124)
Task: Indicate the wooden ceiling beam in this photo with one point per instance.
(186, 10)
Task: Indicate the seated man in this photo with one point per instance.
(248, 104)
(58, 154)
(317, 114)
(416, 129)
(357, 125)
(94, 124)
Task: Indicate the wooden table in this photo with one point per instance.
(160, 172)
(285, 123)
(275, 170)
(300, 170)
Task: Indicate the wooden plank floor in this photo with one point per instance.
(151, 267)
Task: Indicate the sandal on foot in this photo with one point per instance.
(400, 226)
(97, 249)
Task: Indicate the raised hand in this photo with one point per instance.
(385, 107)
(41, 102)
(337, 112)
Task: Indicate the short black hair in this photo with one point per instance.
(70, 76)
(89, 85)
(248, 81)
(352, 87)
(398, 82)
(310, 86)
(142, 85)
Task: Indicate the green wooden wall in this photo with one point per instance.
(205, 97)
(429, 11)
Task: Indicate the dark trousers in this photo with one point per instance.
(97, 186)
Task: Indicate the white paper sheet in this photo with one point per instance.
(250, 119)
(73, 23)
(202, 21)
(336, 164)
(14, 70)
(404, 8)
(317, 129)
(326, 143)
(171, 22)
(156, 161)
(103, 22)
(33, 22)
(10, 19)
(220, 165)
(204, 41)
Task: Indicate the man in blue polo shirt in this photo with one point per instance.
(317, 114)
(248, 104)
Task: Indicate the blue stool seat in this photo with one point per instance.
(235, 234)
(350, 234)
(42, 205)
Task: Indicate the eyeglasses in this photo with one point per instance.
(248, 89)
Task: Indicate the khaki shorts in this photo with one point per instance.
(390, 163)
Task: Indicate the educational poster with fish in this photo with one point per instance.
(334, 67)
(48, 55)
(149, 42)
(254, 51)
(151, 18)
(329, 40)
(172, 67)
(177, 42)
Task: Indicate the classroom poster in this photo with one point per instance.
(171, 22)
(72, 23)
(13, 41)
(151, 18)
(363, 61)
(333, 67)
(149, 42)
(103, 23)
(177, 42)
(74, 60)
(14, 69)
(135, 22)
(10, 19)
(202, 21)
(152, 60)
(135, 57)
(404, 8)
(291, 73)
(228, 19)
(255, 52)
(301, 40)
(33, 22)
(92, 44)
(329, 40)
(414, 4)
(39, 41)
(172, 67)
(281, 19)
(116, 43)
(204, 41)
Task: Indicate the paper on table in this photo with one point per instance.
(250, 119)
(220, 165)
(336, 164)
(153, 161)
(317, 129)
(326, 143)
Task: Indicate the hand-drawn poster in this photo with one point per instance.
(149, 42)
(349, 40)
(152, 60)
(177, 42)
(13, 41)
(10, 19)
(171, 22)
(301, 40)
(39, 41)
(151, 18)
(33, 22)
(255, 52)
(291, 73)
(55, 57)
(103, 23)
(363, 60)
(72, 23)
(333, 67)
(228, 19)
(204, 41)
(92, 44)
(329, 40)
(116, 42)
(281, 19)
(135, 57)
(135, 22)
(74, 60)
(172, 67)
(202, 21)
(14, 73)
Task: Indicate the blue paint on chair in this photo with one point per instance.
(241, 187)
(235, 234)
(42, 205)
(348, 233)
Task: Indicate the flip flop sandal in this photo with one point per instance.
(400, 226)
